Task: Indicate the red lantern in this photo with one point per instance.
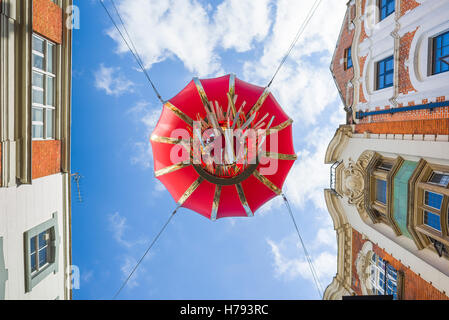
(209, 169)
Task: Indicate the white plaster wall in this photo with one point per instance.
(22, 208)
(431, 19)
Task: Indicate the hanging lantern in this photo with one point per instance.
(223, 147)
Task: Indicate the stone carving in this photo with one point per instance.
(363, 267)
(353, 178)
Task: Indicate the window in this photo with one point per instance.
(379, 187)
(348, 58)
(386, 7)
(3, 272)
(379, 203)
(43, 89)
(430, 219)
(41, 252)
(381, 191)
(385, 71)
(384, 278)
(440, 50)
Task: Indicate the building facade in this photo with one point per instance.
(35, 104)
(389, 190)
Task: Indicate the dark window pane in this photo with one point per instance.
(432, 220)
(433, 200)
(33, 244)
(381, 191)
(42, 257)
(33, 262)
(440, 178)
(42, 240)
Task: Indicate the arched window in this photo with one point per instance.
(429, 209)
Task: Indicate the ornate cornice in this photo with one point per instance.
(337, 144)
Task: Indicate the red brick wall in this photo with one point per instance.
(405, 85)
(415, 287)
(408, 116)
(47, 20)
(362, 61)
(363, 34)
(436, 126)
(407, 5)
(46, 158)
(342, 76)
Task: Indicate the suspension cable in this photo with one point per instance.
(130, 47)
(298, 35)
(146, 252)
(306, 253)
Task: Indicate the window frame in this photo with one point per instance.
(44, 107)
(433, 55)
(378, 211)
(375, 265)
(33, 278)
(421, 184)
(385, 73)
(348, 57)
(380, 6)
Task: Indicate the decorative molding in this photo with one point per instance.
(363, 267)
(338, 143)
(355, 182)
(341, 284)
(390, 195)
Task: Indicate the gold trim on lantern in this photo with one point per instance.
(171, 169)
(168, 140)
(190, 190)
(279, 127)
(267, 182)
(202, 93)
(243, 200)
(281, 156)
(215, 203)
(259, 102)
(179, 114)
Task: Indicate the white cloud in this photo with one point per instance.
(304, 88)
(302, 186)
(183, 29)
(148, 117)
(289, 266)
(239, 23)
(112, 81)
(118, 226)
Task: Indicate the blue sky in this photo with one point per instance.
(114, 112)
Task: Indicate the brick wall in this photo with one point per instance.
(405, 85)
(362, 61)
(46, 158)
(407, 5)
(47, 20)
(415, 287)
(435, 126)
(343, 76)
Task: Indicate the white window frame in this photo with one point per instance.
(33, 278)
(46, 75)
